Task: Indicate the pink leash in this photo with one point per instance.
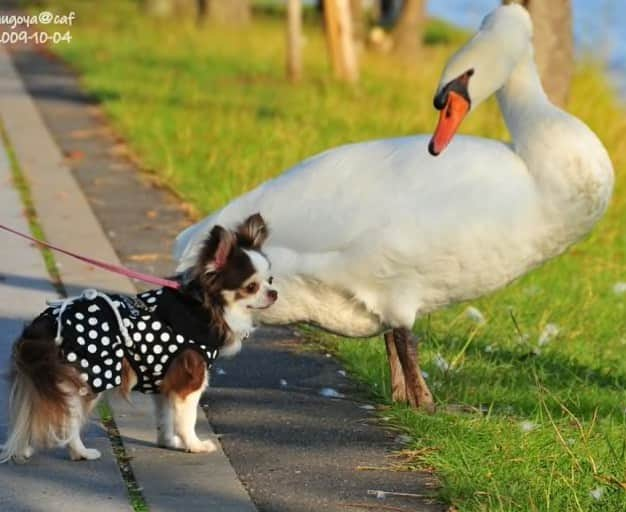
(133, 274)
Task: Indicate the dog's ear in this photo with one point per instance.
(252, 232)
(216, 250)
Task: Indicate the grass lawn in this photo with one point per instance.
(530, 381)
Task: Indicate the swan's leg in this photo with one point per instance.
(398, 385)
(417, 390)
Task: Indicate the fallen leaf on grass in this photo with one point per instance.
(119, 166)
(98, 182)
(189, 210)
(374, 468)
(74, 156)
(87, 133)
(149, 256)
(96, 111)
(120, 149)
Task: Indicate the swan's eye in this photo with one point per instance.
(270, 280)
(252, 288)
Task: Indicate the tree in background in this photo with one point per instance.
(340, 39)
(234, 12)
(359, 23)
(294, 40)
(167, 8)
(554, 45)
(407, 33)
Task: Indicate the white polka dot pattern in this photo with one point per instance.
(94, 341)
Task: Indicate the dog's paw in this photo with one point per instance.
(86, 454)
(173, 442)
(207, 446)
(92, 454)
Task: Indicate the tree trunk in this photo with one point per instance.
(358, 21)
(554, 45)
(407, 34)
(232, 12)
(202, 10)
(294, 40)
(340, 40)
(159, 8)
(171, 8)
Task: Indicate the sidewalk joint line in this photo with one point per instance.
(21, 184)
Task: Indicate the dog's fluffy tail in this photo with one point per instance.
(44, 401)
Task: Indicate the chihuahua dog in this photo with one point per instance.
(161, 341)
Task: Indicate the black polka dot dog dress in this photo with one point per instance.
(96, 331)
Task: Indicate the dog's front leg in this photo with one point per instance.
(185, 414)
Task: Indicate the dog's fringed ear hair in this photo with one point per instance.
(252, 232)
(216, 250)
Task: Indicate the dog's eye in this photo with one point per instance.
(270, 280)
(252, 287)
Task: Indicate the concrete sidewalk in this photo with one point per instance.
(50, 481)
(168, 479)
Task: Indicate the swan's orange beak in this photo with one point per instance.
(452, 114)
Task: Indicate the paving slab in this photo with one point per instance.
(68, 220)
(49, 481)
(194, 481)
(64, 213)
(294, 450)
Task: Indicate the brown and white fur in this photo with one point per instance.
(49, 403)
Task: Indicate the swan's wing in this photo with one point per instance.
(329, 200)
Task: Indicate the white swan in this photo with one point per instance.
(365, 237)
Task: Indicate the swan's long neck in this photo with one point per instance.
(570, 166)
(523, 101)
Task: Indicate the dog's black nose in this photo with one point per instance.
(272, 294)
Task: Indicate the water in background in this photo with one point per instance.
(599, 27)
